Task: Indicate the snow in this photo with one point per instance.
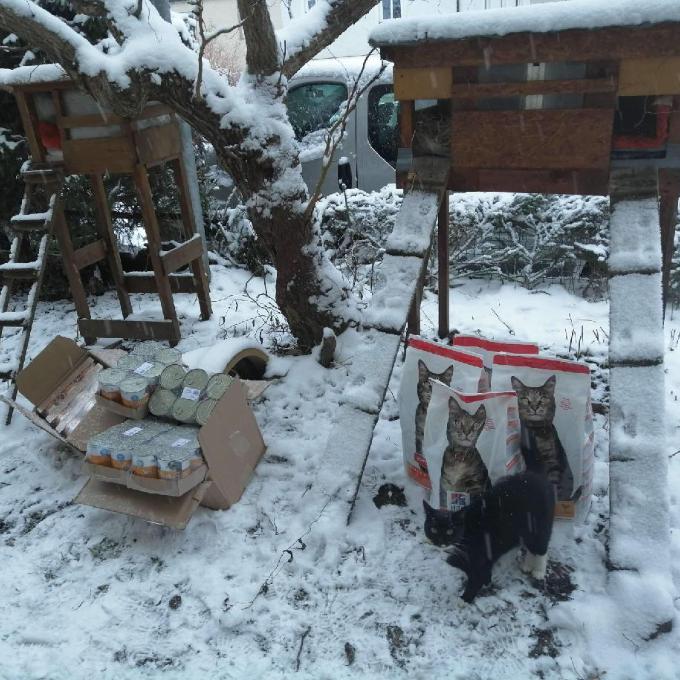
(215, 357)
(88, 592)
(412, 233)
(552, 16)
(632, 244)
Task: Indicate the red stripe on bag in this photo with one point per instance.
(494, 346)
(471, 398)
(523, 360)
(445, 351)
(419, 476)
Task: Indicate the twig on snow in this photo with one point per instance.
(510, 330)
(305, 633)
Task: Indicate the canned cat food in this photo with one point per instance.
(145, 461)
(109, 383)
(129, 362)
(218, 385)
(168, 355)
(161, 403)
(184, 410)
(134, 391)
(196, 379)
(172, 377)
(151, 372)
(98, 451)
(174, 464)
(204, 409)
(148, 349)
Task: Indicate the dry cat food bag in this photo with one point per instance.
(555, 413)
(426, 361)
(471, 441)
(488, 349)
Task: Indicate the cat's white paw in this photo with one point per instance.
(540, 565)
(460, 603)
(527, 564)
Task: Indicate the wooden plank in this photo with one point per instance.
(658, 76)
(182, 255)
(538, 139)
(29, 120)
(532, 87)
(614, 42)
(406, 124)
(669, 193)
(147, 284)
(422, 83)
(443, 265)
(156, 144)
(105, 229)
(131, 330)
(90, 254)
(98, 156)
(88, 120)
(582, 182)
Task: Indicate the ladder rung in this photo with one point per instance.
(20, 270)
(32, 221)
(36, 175)
(13, 318)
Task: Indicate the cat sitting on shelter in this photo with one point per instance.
(517, 510)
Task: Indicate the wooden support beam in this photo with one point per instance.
(532, 87)
(669, 193)
(179, 283)
(182, 255)
(131, 330)
(443, 265)
(89, 254)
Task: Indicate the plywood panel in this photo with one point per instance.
(649, 76)
(158, 143)
(97, 156)
(422, 83)
(551, 139)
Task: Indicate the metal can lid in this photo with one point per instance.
(168, 355)
(172, 376)
(218, 385)
(161, 402)
(196, 378)
(134, 384)
(129, 362)
(204, 409)
(148, 349)
(184, 410)
(112, 376)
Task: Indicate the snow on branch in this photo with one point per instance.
(306, 36)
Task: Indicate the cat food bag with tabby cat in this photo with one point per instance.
(556, 418)
(471, 441)
(487, 349)
(426, 361)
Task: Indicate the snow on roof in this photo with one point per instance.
(555, 16)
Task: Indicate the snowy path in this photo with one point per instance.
(87, 592)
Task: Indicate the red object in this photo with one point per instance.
(445, 351)
(539, 362)
(622, 142)
(49, 135)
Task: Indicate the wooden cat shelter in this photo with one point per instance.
(68, 133)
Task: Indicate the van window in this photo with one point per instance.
(312, 107)
(382, 122)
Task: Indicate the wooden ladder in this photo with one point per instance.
(39, 207)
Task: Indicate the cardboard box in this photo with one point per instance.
(138, 413)
(231, 441)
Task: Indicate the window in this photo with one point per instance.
(382, 122)
(312, 107)
(391, 9)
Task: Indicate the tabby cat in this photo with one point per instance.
(517, 510)
(424, 388)
(541, 446)
(463, 469)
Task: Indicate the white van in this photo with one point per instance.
(369, 146)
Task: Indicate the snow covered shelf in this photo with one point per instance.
(538, 98)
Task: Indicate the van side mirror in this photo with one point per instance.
(345, 180)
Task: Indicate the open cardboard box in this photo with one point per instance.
(231, 440)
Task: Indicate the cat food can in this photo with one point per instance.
(196, 379)
(184, 410)
(218, 385)
(151, 371)
(174, 464)
(172, 377)
(204, 409)
(121, 457)
(168, 355)
(161, 403)
(129, 362)
(144, 461)
(98, 451)
(134, 391)
(148, 349)
(109, 383)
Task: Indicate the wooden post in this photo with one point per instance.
(638, 484)
(669, 193)
(443, 265)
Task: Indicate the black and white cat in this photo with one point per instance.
(516, 511)
(424, 390)
(541, 446)
(463, 469)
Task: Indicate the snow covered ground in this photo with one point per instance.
(278, 587)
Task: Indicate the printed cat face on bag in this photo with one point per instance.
(427, 362)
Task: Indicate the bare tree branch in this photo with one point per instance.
(337, 16)
(262, 52)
